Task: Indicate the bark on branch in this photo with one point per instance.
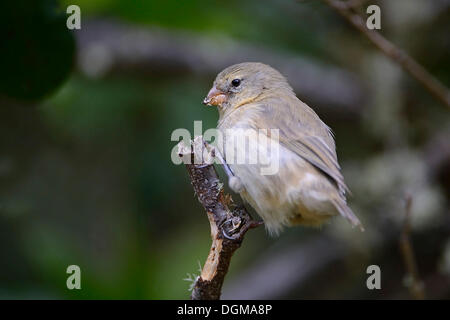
(228, 222)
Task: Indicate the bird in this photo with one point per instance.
(308, 187)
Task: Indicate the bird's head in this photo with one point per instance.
(244, 83)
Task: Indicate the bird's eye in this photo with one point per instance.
(236, 82)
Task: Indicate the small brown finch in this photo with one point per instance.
(308, 187)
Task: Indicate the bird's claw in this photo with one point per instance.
(249, 225)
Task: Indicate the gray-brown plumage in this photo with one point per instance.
(308, 188)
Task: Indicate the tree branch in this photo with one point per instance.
(228, 222)
(433, 85)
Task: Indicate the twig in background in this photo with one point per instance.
(228, 222)
(415, 285)
(433, 85)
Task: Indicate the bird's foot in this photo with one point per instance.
(236, 230)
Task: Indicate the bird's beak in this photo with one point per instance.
(215, 97)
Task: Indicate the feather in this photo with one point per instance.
(347, 213)
(309, 137)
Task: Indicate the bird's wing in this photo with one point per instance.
(308, 137)
(314, 150)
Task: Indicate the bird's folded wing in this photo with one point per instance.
(312, 148)
(316, 152)
(308, 137)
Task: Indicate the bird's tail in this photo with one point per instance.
(347, 213)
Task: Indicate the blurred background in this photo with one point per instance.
(86, 176)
